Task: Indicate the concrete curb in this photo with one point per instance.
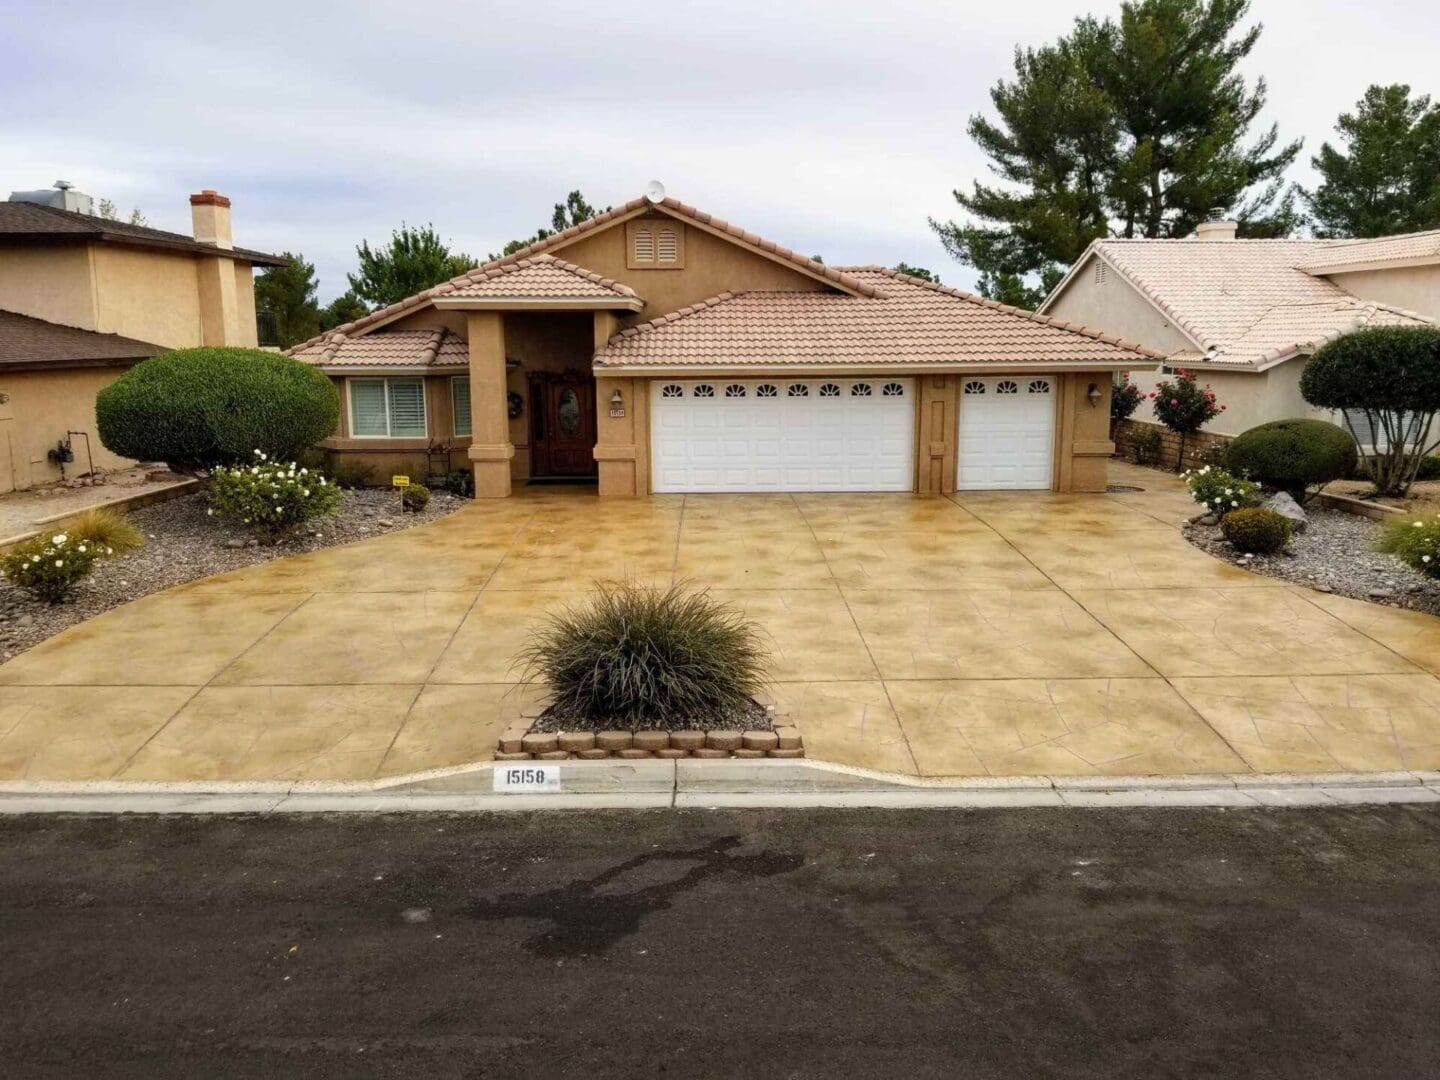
(685, 783)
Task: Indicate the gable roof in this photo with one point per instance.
(31, 344)
(819, 271)
(911, 324)
(539, 277)
(32, 222)
(388, 349)
(1405, 249)
(1243, 304)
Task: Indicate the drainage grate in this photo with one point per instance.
(1121, 489)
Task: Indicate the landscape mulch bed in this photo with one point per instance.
(183, 544)
(753, 717)
(1335, 553)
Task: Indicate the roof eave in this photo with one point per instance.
(660, 369)
(1324, 269)
(539, 303)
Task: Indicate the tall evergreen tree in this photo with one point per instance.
(347, 307)
(1130, 128)
(285, 301)
(1386, 177)
(413, 260)
(571, 212)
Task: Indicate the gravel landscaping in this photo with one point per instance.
(185, 544)
(1335, 553)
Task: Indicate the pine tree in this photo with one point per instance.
(414, 260)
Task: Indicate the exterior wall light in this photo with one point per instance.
(1093, 394)
(617, 399)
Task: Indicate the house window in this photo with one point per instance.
(798, 389)
(672, 391)
(1007, 387)
(704, 390)
(893, 389)
(654, 243)
(860, 389)
(829, 389)
(1040, 386)
(734, 390)
(767, 390)
(387, 408)
(974, 388)
(460, 404)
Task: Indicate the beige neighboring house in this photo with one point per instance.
(83, 298)
(657, 348)
(1245, 314)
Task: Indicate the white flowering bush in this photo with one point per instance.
(271, 496)
(49, 567)
(1219, 491)
(1416, 543)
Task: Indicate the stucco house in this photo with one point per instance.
(83, 298)
(1245, 314)
(661, 349)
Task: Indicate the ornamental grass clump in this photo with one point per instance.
(1415, 543)
(636, 656)
(49, 567)
(112, 533)
(274, 497)
(1256, 530)
(1219, 491)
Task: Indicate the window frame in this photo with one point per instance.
(454, 415)
(385, 381)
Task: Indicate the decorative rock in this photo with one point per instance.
(631, 752)
(788, 752)
(540, 742)
(512, 757)
(671, 752)
(652, 740)
(742, 753)
(1289, 509)
(575, 741)
(593, 754)
(1209, 519)
(709, 752)
(723, 740)
(687, 740)
(384, 523)
(760, 740)
(789, 738)
(1381, 594)
(614, 740)
(234, 543)
(553, 755)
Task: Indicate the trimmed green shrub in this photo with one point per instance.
(1294, 456)
(637, 656)
(1219, 491)
(414, 498)
(460, 482)
(196, 409)
(1146, 445)
(1416, 543)
(1391, 374)
(352, 474)
(1429, 468)
(271, 496)
(49, 567)
(1256, 530)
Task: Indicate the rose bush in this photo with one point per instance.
(1220, 491)
(271, 496)
(1184, 406)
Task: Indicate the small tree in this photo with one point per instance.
(1391, 376)
(413, 261)
(1184, 406)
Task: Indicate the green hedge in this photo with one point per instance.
(199, 408)
(1293, 455)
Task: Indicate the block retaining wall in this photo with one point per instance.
(519, 743)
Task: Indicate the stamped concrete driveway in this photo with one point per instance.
(984, 634)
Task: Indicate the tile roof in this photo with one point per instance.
(34, 221)
(29, 343)
(1357, 254)
(810, 266)
(912, 322)
(539, 277)
(388, 349)
(1244, 302)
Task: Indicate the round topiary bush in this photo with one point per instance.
(1293, 455)
(1256, 530)
(198, 408)
(414, 498)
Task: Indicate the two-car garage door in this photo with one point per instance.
(783, 435)
(841, 434)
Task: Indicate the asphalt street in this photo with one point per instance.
(956, 944)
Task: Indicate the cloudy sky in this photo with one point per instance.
(833, 127)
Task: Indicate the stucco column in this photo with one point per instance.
(1082, 434)
(490, 445)
(622, 430)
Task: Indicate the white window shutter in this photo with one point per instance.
(407, 408)
(367, 407)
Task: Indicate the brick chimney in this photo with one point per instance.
(1216, 226)
(210, 218)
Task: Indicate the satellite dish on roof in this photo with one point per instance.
(655, 191)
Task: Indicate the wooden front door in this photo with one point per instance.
(562, 424)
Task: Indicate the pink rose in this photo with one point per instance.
(1174, 401)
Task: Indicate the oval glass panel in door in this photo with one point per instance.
(568, 412)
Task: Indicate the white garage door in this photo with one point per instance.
(1007, 433)
(783, 435)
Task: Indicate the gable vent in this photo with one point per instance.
(668, 247)
(1102, 272)
(645, 245)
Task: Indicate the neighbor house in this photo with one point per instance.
(1245, 314)
(82, 298)
(664, 350)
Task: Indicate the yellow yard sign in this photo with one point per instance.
(399, 481)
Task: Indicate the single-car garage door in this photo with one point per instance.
(782, 435)
(1007, 433)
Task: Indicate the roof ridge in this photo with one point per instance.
(1011, 309)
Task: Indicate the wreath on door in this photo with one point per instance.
(515, 404)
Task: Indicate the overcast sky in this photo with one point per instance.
(834, 128)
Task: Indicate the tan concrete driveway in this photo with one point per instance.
(988, 634)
